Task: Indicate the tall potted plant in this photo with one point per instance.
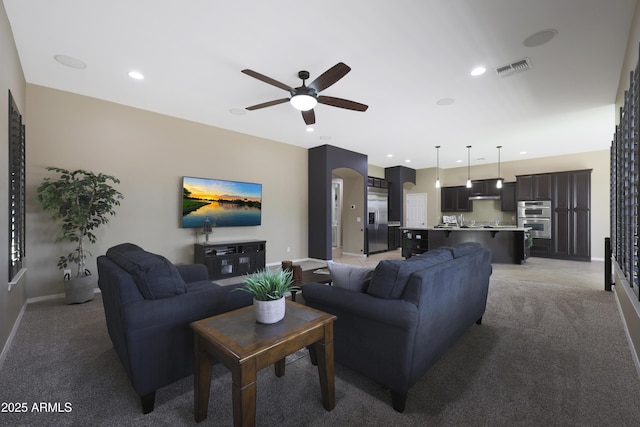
(83, 201)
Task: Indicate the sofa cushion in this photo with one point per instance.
(391, 276)
(155, 276)
(352, 277)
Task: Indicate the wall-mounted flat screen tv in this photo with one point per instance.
(221, 203)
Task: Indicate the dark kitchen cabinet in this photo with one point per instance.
(455, 199)
(414, 242)
(571, 215)
(534, 187)
(541, 248)
(484, 187)
(395, 237)
(508, 197)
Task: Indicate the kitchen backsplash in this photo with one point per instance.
(486, 211)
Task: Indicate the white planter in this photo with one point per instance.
(269, 311)
(79, 290)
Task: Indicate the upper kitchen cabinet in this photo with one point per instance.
(484, 188)
(508, 197)
(534, 187)
(455, 199)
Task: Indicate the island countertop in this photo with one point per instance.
(470, 228)
(507, 243)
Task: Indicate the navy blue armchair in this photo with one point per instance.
(149, 304)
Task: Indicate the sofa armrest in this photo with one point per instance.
(180, 309)
(394, 312)
(193, 272)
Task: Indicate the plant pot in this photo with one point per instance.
(269, 311)
(79, 290)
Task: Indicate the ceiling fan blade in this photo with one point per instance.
(309, 117)
(266, 79)
(268, 104)
(330, 76)
(342, 103)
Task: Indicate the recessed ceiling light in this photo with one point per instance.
(445, 101)
(389, 155)
(478, 71)
(238, 111)
(407, 161)
(458, 161)
(523, 152)
(539, 38)
(70, 62)
(309, 129)
(136, 75)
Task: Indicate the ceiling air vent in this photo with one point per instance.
(515, 67)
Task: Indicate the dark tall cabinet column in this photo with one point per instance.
(322, 161)
(571, 221)
(397, 176)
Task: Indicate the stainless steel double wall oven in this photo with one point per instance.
(536, 215)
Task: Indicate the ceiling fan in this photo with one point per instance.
(304, 98)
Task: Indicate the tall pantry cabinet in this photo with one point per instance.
(570, 196)
(571, 214)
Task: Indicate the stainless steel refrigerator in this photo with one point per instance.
(377, 219)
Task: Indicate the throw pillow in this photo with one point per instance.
(350, 277)
(155, 276)
(391, 276)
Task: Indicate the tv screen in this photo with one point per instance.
(222, 203)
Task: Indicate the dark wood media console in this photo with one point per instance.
(229, 259)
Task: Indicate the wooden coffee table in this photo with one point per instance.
(244, 346)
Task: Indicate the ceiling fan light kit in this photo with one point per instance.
(305, 98)
(303, 102)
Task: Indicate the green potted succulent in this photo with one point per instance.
(82, 201)
(268, 288)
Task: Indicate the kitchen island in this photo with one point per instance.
(507, 243)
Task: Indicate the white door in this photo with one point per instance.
(416, 212)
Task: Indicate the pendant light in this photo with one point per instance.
(499, 181)
(437, 166)
(468, 166)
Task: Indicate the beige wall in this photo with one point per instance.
(11, 78)
(150, 153)
(596, 160)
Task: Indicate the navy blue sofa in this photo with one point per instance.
(148, 305)
(394, 328)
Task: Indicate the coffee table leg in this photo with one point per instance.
(244, 394)
(324, 352)
(201, 380)
(279, 367)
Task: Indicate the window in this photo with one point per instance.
(16, 189)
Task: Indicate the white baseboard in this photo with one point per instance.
(7, 345)
(632, 349)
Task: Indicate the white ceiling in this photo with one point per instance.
(405, 55)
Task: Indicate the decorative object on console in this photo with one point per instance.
(304, 98)
(222, 203)
(207, 228)
(83, 201)
(268, 288)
